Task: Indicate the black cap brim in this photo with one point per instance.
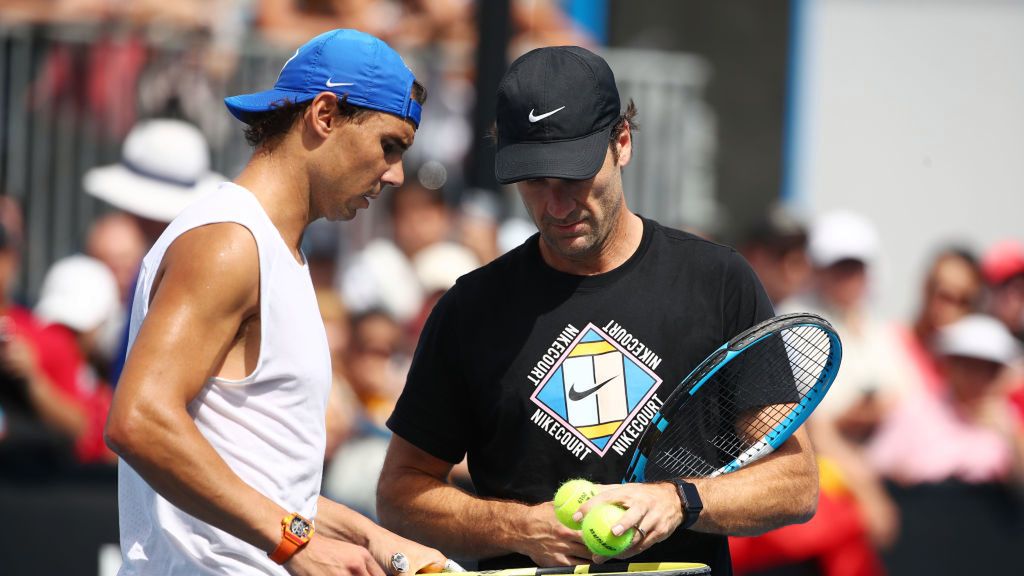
(576, 159)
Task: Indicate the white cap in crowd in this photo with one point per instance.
(842, 235)
(165, 165)
(439, 265)
(978, 336)
(79, 292)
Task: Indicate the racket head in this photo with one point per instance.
(742, 402)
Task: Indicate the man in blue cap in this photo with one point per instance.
(219, 413)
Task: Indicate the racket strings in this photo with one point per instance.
(743, 405)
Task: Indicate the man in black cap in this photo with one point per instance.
(547, 364)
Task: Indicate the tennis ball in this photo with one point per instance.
(570, 496)
(597, 531)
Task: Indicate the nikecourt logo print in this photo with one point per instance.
(576, 395)
(542, 116)
(336, 84)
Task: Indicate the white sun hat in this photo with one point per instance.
(165, 165)
(978, 336)
(79, 292)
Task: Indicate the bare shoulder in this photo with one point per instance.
(214, 264)
(205, 291)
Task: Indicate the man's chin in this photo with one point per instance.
(342, 216)
(572, 246)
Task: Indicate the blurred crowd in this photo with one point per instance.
(921, 412)
(935, 400)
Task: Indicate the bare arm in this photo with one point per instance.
(208, 287)
(415, 500)
(781, 489)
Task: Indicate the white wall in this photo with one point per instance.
(912, 112)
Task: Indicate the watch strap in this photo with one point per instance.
(290, 543)
(690, 500)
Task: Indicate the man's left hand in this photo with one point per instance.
(385, 544)
(653, 508)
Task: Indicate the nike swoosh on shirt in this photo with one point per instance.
(542, 116)
(336, 84)
(577, 395)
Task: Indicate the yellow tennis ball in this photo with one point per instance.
(597, 531)
(570, 496)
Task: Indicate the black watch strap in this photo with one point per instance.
(690, 500)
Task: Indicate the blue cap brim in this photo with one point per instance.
(245, 105)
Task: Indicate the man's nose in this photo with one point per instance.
(394, 176)
(560, 202)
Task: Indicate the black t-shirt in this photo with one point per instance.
(540, 376)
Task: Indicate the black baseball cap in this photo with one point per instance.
(556, 110)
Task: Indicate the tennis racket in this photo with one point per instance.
(742, 402)
(635, 569)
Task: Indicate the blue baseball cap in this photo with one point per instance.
(348, 63)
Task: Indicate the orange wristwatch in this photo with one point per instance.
(295, 533)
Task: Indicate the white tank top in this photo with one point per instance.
(268, 427)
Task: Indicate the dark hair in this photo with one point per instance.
(629, 116)
(958, 252)
(265, 128)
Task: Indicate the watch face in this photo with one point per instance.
(300, 527)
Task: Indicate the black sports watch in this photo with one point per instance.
(690, 500)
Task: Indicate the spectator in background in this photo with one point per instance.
(383, 275)
(321, 245)
(116, 240)
(955, 460)
(403, 24)
(164, 167)
(854, 513)
(776, 247)
(24, 439)
(437, 268)
(952, 289)
(1003, 266)
(375, 364)
(77, 297)
(342, 404)
(843, 248)
(376, 371)
(969, 433)
(479, 219)
(376, 368)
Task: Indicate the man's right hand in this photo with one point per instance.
(325, 556)
(547, 542)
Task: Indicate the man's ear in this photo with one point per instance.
(322, 117)
(624, 144)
